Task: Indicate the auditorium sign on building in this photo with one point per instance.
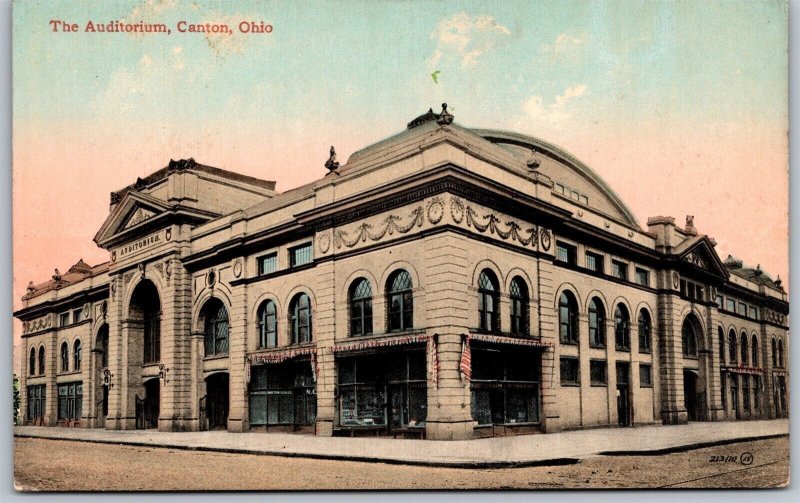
(472, 235)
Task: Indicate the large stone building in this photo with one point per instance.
(446, 282)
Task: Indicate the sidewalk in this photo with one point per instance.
(525, 450)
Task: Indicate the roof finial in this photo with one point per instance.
(31, 287)
(779, 282)
(332, 164)
(690, 229)
(445, 118)
(57, 275)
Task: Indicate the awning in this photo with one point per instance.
(379, 343)
(280, 356)
(779, 372)
(499, 339)
(743, 370)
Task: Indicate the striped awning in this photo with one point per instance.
(743, 370)
(500, 339)
(379, 343)
(280, 356)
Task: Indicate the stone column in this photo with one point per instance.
(713, 367)
(544, 323)
(238, 412)
(324, 333)
(445, 304)
(117, 408)
(673, 410)
(50, 370)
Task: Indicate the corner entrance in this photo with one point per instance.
(148, 408)
(217, 401)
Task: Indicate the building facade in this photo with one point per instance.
(445, 282)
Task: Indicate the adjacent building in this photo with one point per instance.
(445, 282)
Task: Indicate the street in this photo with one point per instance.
(57, 465)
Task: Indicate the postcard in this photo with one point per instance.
(408, 245)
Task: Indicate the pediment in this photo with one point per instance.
(135, 210)
(701, 255)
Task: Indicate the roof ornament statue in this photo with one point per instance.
(779, 282)
(532, 162)
(57, 275)
(332, 164)
(690, 229)
(445, 118)
(31, 287)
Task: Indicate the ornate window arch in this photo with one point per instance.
(267, 325)
(488, 302)
(215, 327)
(733, 354)
(520, 312)
(300, 318)
(32, 362)
(360, 300)
(568, 317)
(41, 360)
(754, 351)
(64, 357)
(743, 346)
(597, 323)
(780, 353)
(622, 328)
(76, 355)
(645, 331)
(400, 301)
(689, 337)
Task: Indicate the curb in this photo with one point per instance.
(562, 461)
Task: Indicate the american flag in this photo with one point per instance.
(466, 359)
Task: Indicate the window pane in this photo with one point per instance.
(268, 263)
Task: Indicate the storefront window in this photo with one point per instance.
(70, 401)
(505, 386)
(282, 394)
(383, 390)
(36, 402)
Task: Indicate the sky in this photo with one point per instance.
(680, 106)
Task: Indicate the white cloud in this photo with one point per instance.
(566, 46)
(556, 113)
(464, 38)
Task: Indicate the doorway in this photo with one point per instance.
(624, 409)
(151, 404)
(690, 400)
(217, 402)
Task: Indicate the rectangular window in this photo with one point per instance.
(282, 394)
(646, 375)
(77, 316)
(731, 305)
(565, 252)
(570, 372)
(70, 400)
(594, 262)
(719, 300)
(753, 312)
(746, 392)
(619, 269)
(742, 309)
(597, 372)
(642, 276)
(268, 263)
(36, 403)
(300, 255)
(63, 319)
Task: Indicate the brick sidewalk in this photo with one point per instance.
(524, 450)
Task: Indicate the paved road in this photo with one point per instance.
(42, 464)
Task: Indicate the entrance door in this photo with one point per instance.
(152, 403)
(624, 412)
(398, 406)
(735, 396)
(690, 394)
(217, 401)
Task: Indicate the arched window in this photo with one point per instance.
(102, 345)
(300, 318)
(64, 357)
(645, 329)
(774, 352)
(488, 300)
(41, 360)
(689, 338)
(597, 323)
(399, 298)
(360, 307)
(743, 347)
(721, 337)
(732, 353)
(520, 314)
(754, 350)
(215, 319)
(568, 317)
(76, 355)
(622, 328)
(32, 363)
(780, 353)
(267, 325)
